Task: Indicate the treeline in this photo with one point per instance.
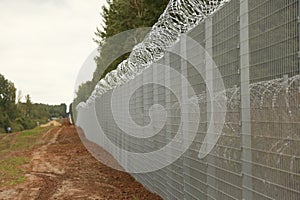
(119, 16)
(23, 115)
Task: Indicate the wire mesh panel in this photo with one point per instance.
(225, 37)
(137, 113)
(274, 46)
(175, 170)
(255, 46)
(195, 173)
(158, 125)
(225, 159)
(273, 30)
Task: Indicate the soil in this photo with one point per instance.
(51, 123)
(62, 168)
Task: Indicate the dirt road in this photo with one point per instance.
(61, 168)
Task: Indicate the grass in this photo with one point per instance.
(22, 141)
(27, 139)
(11, 172)
(135, 198)
(4, 144)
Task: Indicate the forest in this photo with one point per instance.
(23, 115)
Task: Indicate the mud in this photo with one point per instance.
(62, 168)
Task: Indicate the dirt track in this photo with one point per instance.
(61, 168)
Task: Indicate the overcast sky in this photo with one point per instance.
(43, 44)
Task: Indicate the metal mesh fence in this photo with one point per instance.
(255, 44)
(274, 47)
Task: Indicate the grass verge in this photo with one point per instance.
(27, 139)
(11, 171)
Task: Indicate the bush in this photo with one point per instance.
(26, 123)
(2, 130)
(16, 127)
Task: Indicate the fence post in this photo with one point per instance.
(209, 78)
(245, 102)
(299, 37)
(147, 102)
(168, 122)
(185, 110)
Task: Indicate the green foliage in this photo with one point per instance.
(57, 110)
(7, 92)
(23, 123)
(22, 116)
(8, 109)
(83, 92)
(39, 113)
(119, 16)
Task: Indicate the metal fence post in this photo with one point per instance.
(211, 171)
(184, 112)
(147, 102)
(245, 102)
(168, 122)
(299, 38)
(154, 143)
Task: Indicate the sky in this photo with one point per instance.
(44, 43)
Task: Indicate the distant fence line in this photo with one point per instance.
(255, 44)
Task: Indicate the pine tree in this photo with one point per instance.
(119, 16)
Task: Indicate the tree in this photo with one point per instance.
(28, 104)
(71, 114)
(7, 92)
(83, 92)
(8, 110)
(22, 116)
(19, 97)
(119, 16)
